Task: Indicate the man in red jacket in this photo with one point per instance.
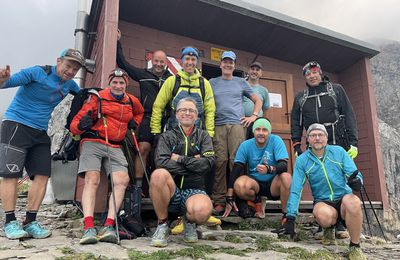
(100, 145)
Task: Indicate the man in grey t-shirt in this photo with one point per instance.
(230, 122)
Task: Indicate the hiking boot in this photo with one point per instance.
(329, 236)
(218, 210)
(89, 236)
(35, 230)
(159, 238)
(213, 221)
(190, 235)
(108, 234)
(14, 230)
(340, 231)
(355, 253)
(319, 235)
(179, 228)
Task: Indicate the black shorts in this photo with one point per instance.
(337, 204)
(145, 134)
(265, 189)
(36, 146)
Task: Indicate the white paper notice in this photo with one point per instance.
(275, 100)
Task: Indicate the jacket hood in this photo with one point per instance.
(196, 75)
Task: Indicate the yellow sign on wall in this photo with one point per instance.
(216, 54)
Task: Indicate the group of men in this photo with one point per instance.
(198, 127)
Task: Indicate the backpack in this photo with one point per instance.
(69, 149)
(329, 91)
(169, 112)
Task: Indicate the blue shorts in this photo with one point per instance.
(177, 204)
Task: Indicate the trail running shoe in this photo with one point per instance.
(159, 238)
(190, 235)
(179, 228)
(329, 236)
(355, 253)
(14, 230)
(108, 234)
(340, 231)
(213, 221)
(35, 230)
(89, 237)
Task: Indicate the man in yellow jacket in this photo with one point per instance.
(186, 83)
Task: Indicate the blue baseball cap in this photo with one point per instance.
(189, 50)
(228, 55)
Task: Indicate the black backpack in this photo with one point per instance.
(69, 149)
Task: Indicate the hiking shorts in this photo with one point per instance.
(94, 155)
(23, 146)
(177, 204)
(337, 204)
(145, 134)
(265, 189)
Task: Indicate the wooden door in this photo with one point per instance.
(281, 85)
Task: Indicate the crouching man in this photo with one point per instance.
(333, 177)
(183, 155)
(266, 158)
(101, 146)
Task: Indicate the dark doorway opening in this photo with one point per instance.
(210, 71)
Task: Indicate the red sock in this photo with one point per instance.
(109, 222)
(88, 222)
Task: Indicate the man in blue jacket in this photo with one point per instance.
(24, 142)
(333, 177)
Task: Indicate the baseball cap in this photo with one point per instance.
(72, 54)
(310, 65)
(316, 126)
(118, 73)
(228, 55)
(189, 50)
(256, 64)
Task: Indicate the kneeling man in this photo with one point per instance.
(183, 155)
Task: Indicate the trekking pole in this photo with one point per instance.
(365, 212)
(112, 181)
(373, 210)
(140, 156)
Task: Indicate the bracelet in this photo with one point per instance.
(255, 114)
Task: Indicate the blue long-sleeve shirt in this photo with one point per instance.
(37, 96)
(327, 176)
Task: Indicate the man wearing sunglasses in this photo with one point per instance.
(24, 142)
(102, 133)
(333, 177)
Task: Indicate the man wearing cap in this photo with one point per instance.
(266, 158)
(150, 82)
(230, 122)
(255, 73)
(101, 146)
(187, 83)
(24, 141)
(325, 103)
(333, 177)
(193, 85)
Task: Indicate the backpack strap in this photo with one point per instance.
(303, 100)
(177, 85)
(46, 68)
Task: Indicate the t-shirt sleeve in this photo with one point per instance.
(241, 154)
(280, 149)
(247, 90)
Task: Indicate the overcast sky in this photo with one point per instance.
(36, 31)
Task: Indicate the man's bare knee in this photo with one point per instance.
(92, 178)
(286, 179)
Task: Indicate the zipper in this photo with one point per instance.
(186, 152)
(327, 179)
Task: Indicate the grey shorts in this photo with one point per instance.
(94, 155)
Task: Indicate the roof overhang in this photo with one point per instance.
(240, 25)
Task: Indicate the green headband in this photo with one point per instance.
(264, 123)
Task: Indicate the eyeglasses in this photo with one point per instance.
(313, 136)
(187, 110)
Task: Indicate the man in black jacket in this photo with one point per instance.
(183, 156)
(324, 103)
(150, 82)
